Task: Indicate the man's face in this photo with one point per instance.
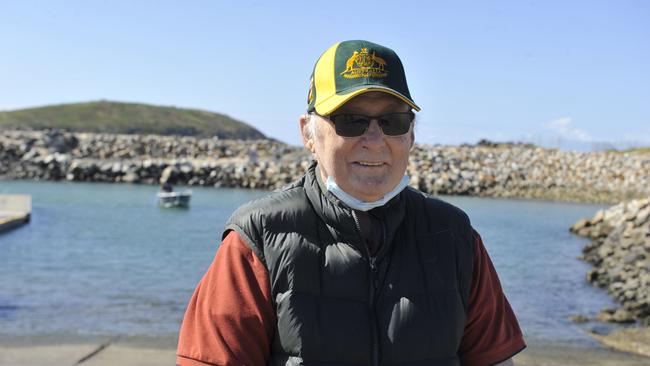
(371, 165)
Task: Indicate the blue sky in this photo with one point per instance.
(549, 72)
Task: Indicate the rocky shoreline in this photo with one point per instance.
(619, 252)
(487, 170)
(620, 255)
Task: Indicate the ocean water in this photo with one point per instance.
(104, 260)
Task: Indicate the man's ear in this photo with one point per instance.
(307, 136)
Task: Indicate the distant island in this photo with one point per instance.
(128, 118)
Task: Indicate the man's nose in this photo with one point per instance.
(373, 134)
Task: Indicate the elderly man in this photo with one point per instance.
(349, 265)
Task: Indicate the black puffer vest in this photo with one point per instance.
(335, 304)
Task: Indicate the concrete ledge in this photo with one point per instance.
(15, 211)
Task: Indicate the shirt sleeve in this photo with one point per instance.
(230, 319)
(492, 333)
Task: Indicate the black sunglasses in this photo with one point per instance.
(355, 125)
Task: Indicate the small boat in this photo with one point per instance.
(174, 199)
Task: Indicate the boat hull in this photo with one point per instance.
(174, 199)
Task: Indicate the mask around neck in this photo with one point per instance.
(360, 205)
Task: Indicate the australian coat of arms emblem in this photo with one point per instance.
(363, 64)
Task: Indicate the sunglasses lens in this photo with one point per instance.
(355, 125)
(350, 125)
(396, 124)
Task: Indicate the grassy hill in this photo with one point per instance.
(641, 150)
(115, 117)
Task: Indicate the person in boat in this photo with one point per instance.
(167, 187)
(165, 180)
(349, 265)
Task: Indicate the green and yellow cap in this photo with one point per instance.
(351, 68)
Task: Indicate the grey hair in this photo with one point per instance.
(310, 125)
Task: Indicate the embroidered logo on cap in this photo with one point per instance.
(363, 64)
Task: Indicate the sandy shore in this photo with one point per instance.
(556, 355)
(633, 340)
(126, 353)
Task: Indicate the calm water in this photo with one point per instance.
(103, 260)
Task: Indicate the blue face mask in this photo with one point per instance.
(360, 205)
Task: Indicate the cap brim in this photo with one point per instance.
(335, 101)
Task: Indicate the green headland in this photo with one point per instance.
(128, 118)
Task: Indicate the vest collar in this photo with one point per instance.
(340, 217)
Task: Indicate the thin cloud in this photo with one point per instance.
(562, 126)
(638, 138)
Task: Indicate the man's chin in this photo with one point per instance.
(369, 192)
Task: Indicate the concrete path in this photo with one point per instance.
(86, 355)
(125, 354)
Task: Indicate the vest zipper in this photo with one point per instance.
(374, 284)
(373, 323)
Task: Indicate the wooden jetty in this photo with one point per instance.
(15, 210)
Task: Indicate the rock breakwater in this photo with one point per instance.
(530, 172)
(492, 171)
(620, 254)
(89, 157)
